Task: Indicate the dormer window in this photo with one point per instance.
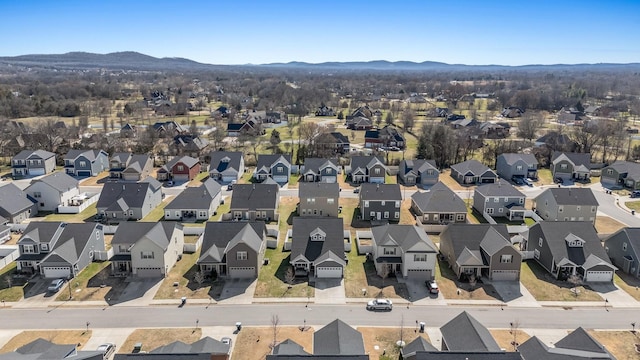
(44, 247)
(317, 235)
(574, 241)
(225, 159)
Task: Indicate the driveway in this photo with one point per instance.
(112, 335)
(513, 293)
(615, 296)
(238, 291)
(139, 292)
(330, 291)
(419, 294)
(36, 294)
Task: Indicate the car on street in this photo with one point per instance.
(356, 190)
(380, 304)
(55, 285)
(432, 286)
(107, 349)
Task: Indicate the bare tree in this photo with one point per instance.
(384, 274)
(275, 322)
(198, 277)
(575, 281)
(529, 125)
(408, 119)
(289, 276)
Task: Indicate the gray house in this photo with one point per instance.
(499, 199)
(205, 348)
(226, 166)
(575, 346)
(439, 205)
(32, 163)
(120, 201)
(277, 167)
(363, 169)
(317, 247)
(58, 249)
(86, 162)
(15, 205)
(319, 199)
(621, 174)
(233, 249)
(405, 250)
(130, 167)
(380, 202)
(510, 165)
(255, 202)
(480, 250)
(473, 172)
(464, 333)
(321, 170)
(623, 248)
(43, 349)
(571, 166)
(567, 204)
(570, 248)
(146, 249)
(53, 190)
(418, 172)
(195, 203)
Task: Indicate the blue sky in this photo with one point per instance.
(512, 32)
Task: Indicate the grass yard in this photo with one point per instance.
(505, 338)
(158, 212)
(452, 288)
(154, 338)
(619, 343)
(247, 177)
(184, 274)
(198, 180)
(95, 180)
(390, 179)
(544, 287)
(8, 290)
(445, 178)
(222, 209)
(293, 181)
(607, 225)
(271, 278)
(61, 337)
(286, 211)
(633, 205)
(254, 342)
(544, 177)
(88, 285)
(86, 215)
(406, 217)
(380, 343)
(628, 283)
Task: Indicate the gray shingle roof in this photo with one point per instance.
(419, 344)
(417, 166)
(579, 339)
(632, 169)
(338, 338)
(219, 236)
(59, 181)
(91, 155)
(289, 347)
(120, 195)
(317, 189)
(314, 164)
(121, 157)
(219, 166)
(473, 166)
(578, 159)
(632, 236)
(269, 159)
(137, 163)
(159, 232)
(365, 162)
(254, 196)
(499, 188)
(187, 160)
(574, 196)
(41, 349)
(410, 238)
(512, 158)
(72, 242)
(206, 345)
(13, 200)
(25, 154)
(439, 198)
(577, 345)
(465, 333)
(466, 240)
(313, 250)
(380, 192)
(196, 198)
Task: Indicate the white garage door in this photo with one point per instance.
(181, 177)
(149, 272)
(242, 272)
(56, 272)
(36, 171)
(280, 178)
(329, 179)
(229, 179)
(376, 180)
(599, 276)
(504, 275)
(416, 274)
(329, 272)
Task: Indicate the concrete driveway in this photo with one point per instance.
(101, 336)
(37, 296)
(238, 291)
(513, 293)
(419, 294)
(330, 291)
(615, 296)
(139, 292)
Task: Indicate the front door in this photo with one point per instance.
(379, 215)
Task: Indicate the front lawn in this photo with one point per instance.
(256, 342)
(8, 290)
(94, 283)
(86, 215)
(506, 338)
(158, 213)
(619, 343)
(184, 274)
(544, 177)
(271, 278)
(380, 343)
(607, 225)
(154, 338)
(545, 287)
(452, 288)
(633, 205)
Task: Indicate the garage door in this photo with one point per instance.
(504, 275)
(242, 272)
(36, 171)
(181, 177)
(329, 272)
(417, 274)
(149, 272)
(56, 272)
(228, 179)
(329, 179)
(599, 276)
(376, 180)
(280, 179)
(488, 180)
(84, 173)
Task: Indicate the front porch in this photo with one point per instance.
(121, 265)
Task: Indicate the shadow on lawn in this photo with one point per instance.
(384, 287)
(104, 279)
(448, 274)
(543, 275)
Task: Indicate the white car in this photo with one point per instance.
(107, 349)
(380, 304)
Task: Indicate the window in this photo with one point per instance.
(460, 217)
(609, 171)
(177, 213)
(506, 259)
(397, 204)
(560, 208)
(372, 214)
(397, 215)
(386, 214)
(506, 199)
(82, 163)
(376, 171)
(536, 254)
(489, 211)
(37, 194)
(500, 210)
(593, 209)
(420, 257)
(241, 255)
(389, 251)
(203, 213)
(45, 247)
(496, 199)
(426, 216)
(146, 254)
(519, 167)
(180, 168)
(578, 208)
(28, 249)
(521, 200)
(624, 246)
(366, 203)
(331, 201)
(167, 213)
(540, 242)
(280, 169)
(382, 203)
(563, 166)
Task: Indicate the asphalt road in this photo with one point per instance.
(295, 314)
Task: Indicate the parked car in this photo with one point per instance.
(432, 286)
(356, 190)
(226, 340)
(635, 193)
(517, 180)
(169, 183)
(380, 304)
(55, 285)
(107, 349)
(527, 181)
(137, 348)
(558, 180)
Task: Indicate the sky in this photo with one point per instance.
(509, 32)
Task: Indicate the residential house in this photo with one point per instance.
(388, 136)
(53, 190)
(232, 249)
(146, 249)
(623, 248)
(510, 165)
(571, 166)
(58, 249)
(44, 349)
(404, 250)
(380, 202)
(325, 111)
(195, 203)
(319, 199)
(621, 174)
(123, 201)
(180, 168)
(340, 143)
(206, 348)
(572, 248)
(86, 162)
(367, 169)
(277, 167)
(418, 172)
(130, 167)
(226, 166)
(465, 333)
(249, 127)
(575, 346)
(491, 130)
(464, 123)
(188, 144)
(317, 247)
(363, 111)
(512, 112)
(118, 163)
(5, 235)
(254, 202)
(567, 204)
(439, 205)
(32, 163)
(128, 131)
(319, 169)
(15, 205)
(473, 172)
(555, 140)
(571, 116)
(169, 128)
(359, 123)
(499, 199)
(480, 250)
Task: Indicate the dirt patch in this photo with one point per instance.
(255, 342)
(620, 343)
(154, 338)
(61, 337)
(607, 225)
(506, 338)
(380, 343)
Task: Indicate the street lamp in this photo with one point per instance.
(633, 327)
(197, 321)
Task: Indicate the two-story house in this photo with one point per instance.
(438, 206)
(53, 190)
(277, 167)
(124, 201)
(179, 169)
(388, 136)
(130, 167)
(623, 248)
(195, 203)
(405, 250)
(367, 169)
(473, 172)
(380, 202)
(319, 169)
(499, 199)
(510, 165)
(319, 199)
(146, 249)
(188, 144)
(226, 166)
(418, 172)
(567, 204)
(83, 163)
(32, 163)
(621, 174)
(15, 205)
(571, 166)
(340, 143)
(58, 249)
(255, 202)
(317, 247)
